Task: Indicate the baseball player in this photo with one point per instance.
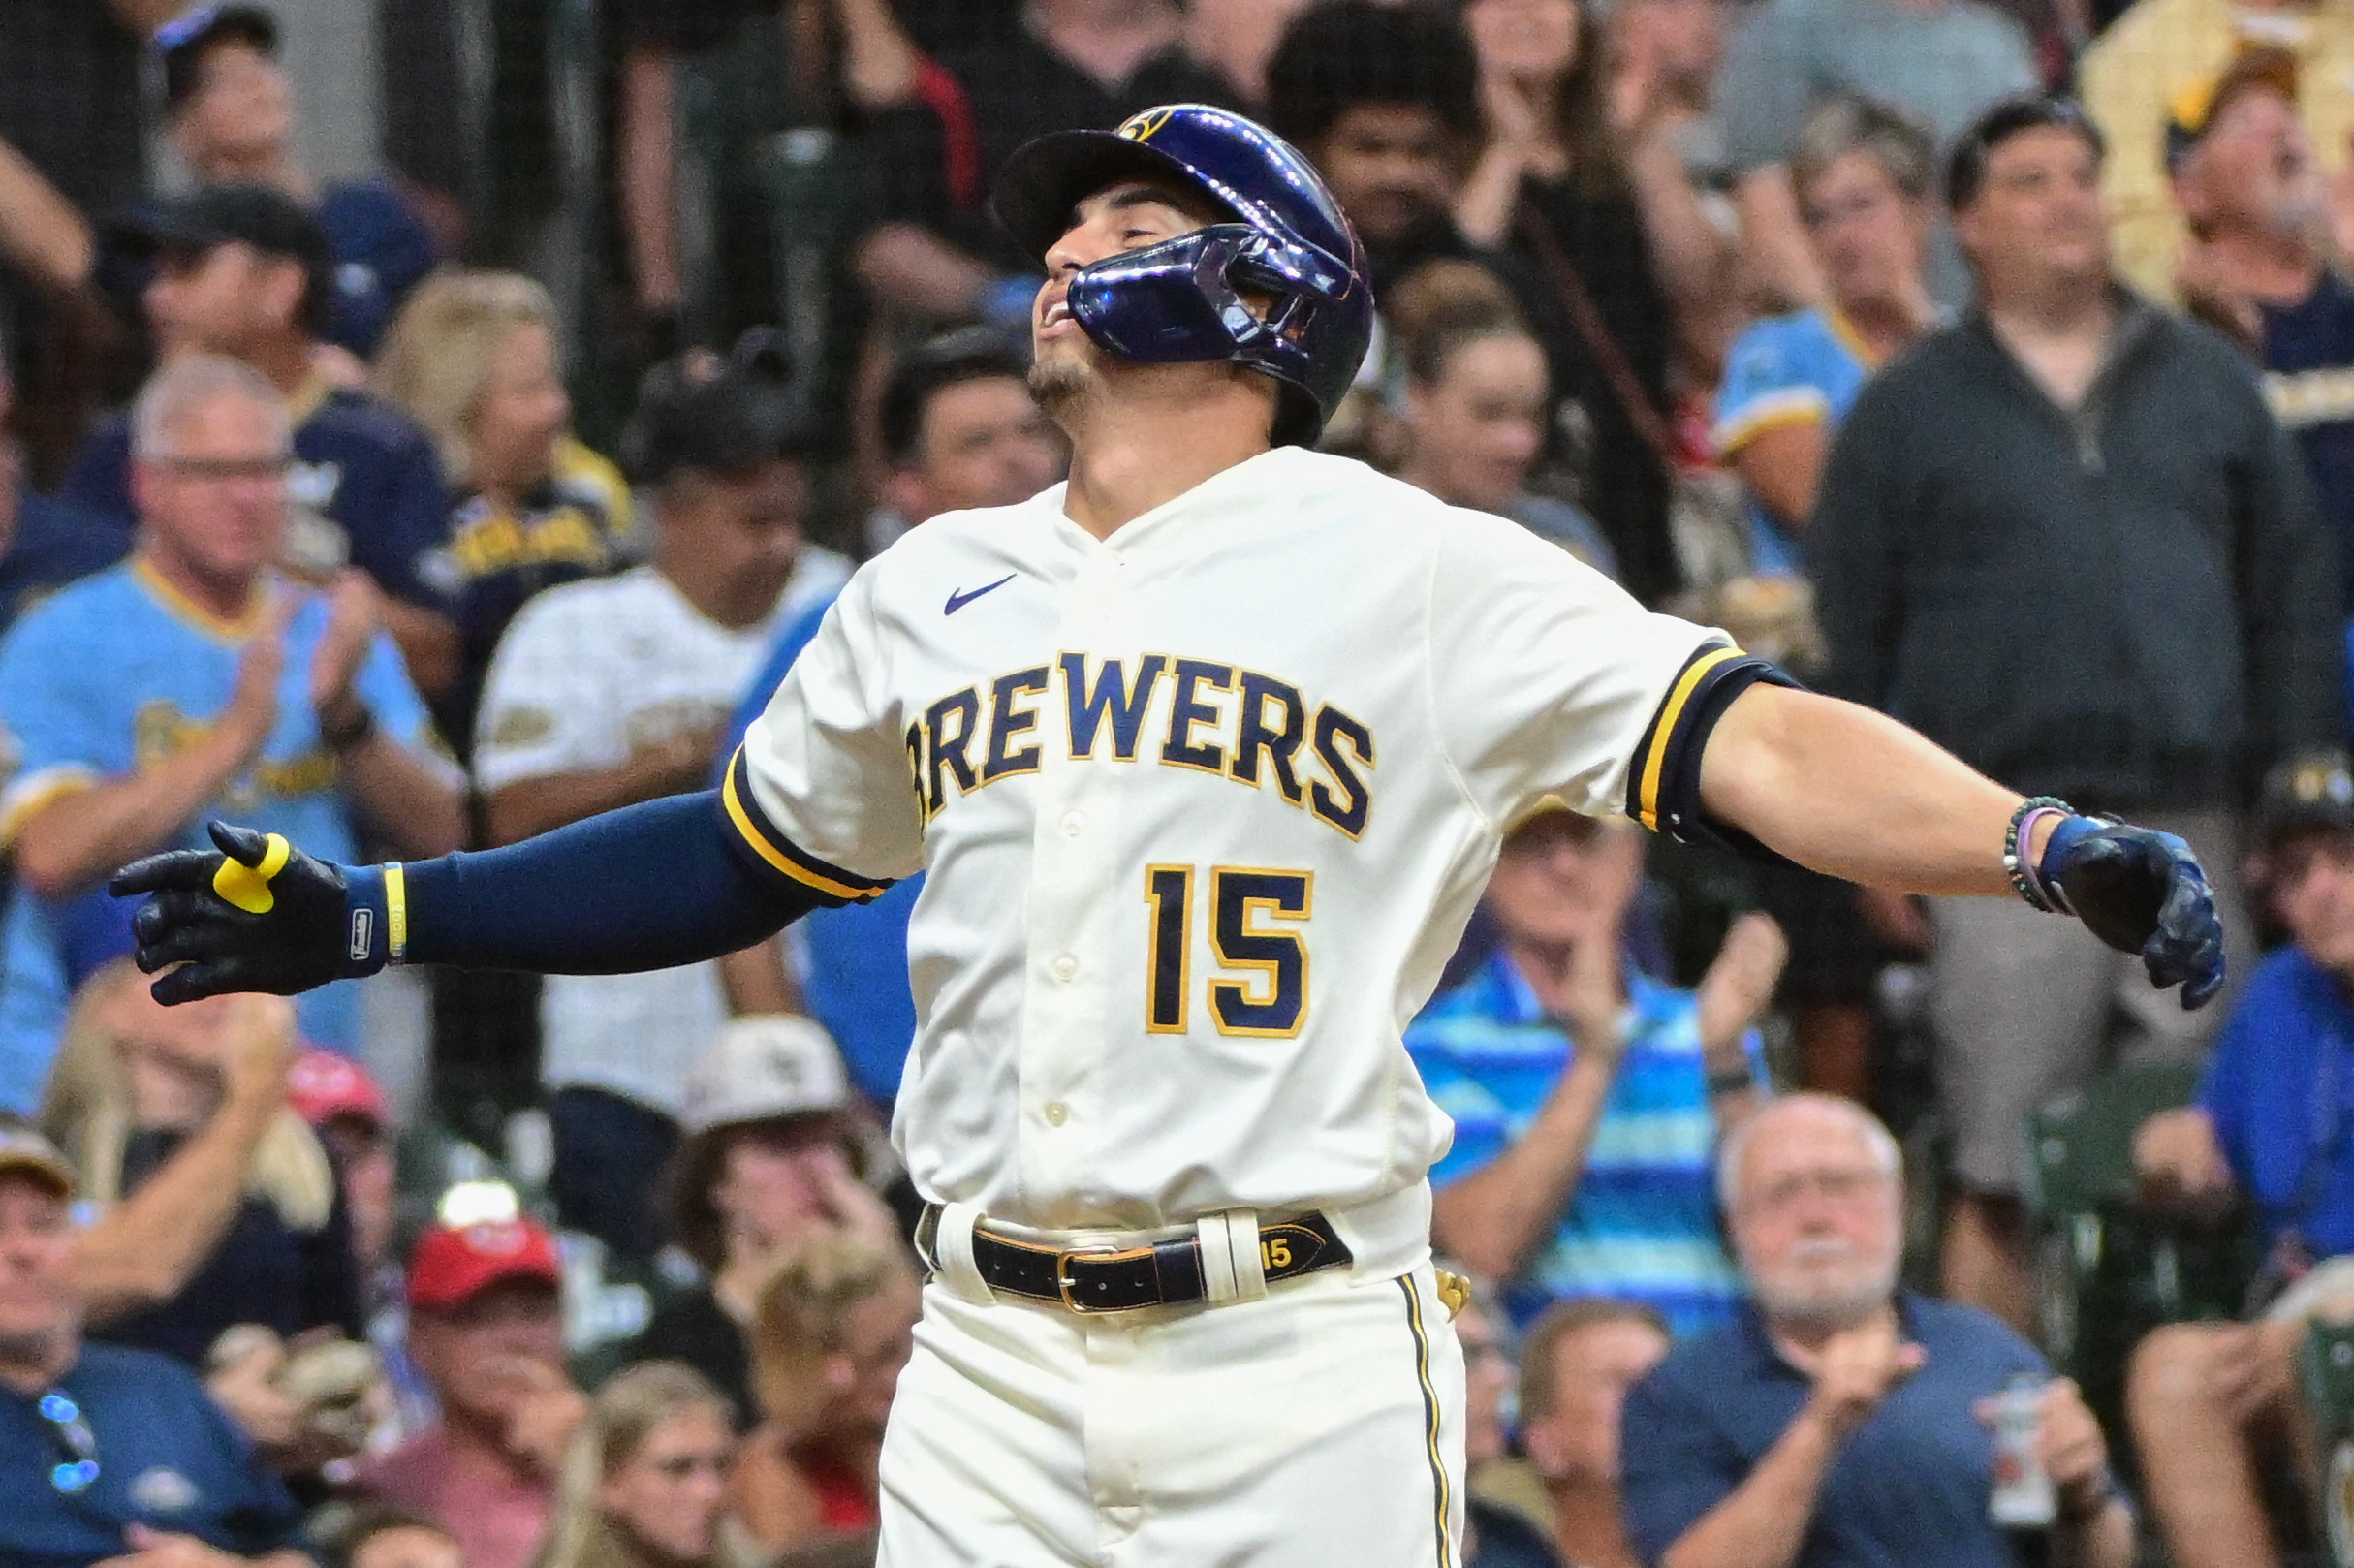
(1206, 752)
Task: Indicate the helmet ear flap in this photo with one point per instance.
(1170, 304)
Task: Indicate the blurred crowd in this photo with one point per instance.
(429, 443)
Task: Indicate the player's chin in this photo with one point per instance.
(1062, 378)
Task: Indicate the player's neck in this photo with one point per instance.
(1131, 457)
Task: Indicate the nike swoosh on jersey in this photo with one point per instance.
(958, 601)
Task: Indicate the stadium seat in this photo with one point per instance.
(2107, 1272)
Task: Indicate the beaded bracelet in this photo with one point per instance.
(2024, 879)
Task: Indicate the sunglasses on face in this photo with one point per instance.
(76, 1442)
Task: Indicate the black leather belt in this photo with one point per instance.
(1107, 1279)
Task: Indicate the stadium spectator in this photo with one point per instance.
(487, 1329)
(835, 1326)
(930, 247)
(108, 1454)
(1576, 1362)
(645, 1484)
(617, 689)
(346, 1111)
(2213, 1405)
(1865, 175)
(1941, 62)
(137, 1086)
(1664, 58)
(380, 1537)
(1382, 100)
(771, 1161)
(145, 1247)
(1475, 395)
(54, 310)
(1238, 38)
(958, 430)
(475, 358)
(1842, 1418)
(44, 543)
(1617, 247)
(2159, 53)
(230, 115)
(2067, 421)
(1505, 1518)
(243, 270)
(191, 680)
(1586, 1097)
(2255, 263)
(1865, 178)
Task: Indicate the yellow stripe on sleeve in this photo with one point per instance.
(1664, 731)
(768, 852)
(32, 795)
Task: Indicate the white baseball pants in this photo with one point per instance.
(1320, 1425)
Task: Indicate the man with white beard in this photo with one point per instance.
(1842, 1420)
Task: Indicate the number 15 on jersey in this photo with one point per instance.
(1270, 1001)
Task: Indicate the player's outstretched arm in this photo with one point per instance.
(1854, 794)
(646, 888)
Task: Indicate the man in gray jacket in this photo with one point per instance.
(2065, 540)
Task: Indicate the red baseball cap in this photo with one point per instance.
(450, 1267)
(322, 1086)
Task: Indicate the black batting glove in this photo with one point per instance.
(253, 914)
(2140, 892)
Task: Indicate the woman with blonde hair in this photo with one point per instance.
(645, 1481)
(473, 357)
(191, 1101)
(832, 1329)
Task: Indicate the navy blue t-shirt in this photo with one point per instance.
(361, 470)
(55, 544)
(2279, 1088)
(2308, 380)
(262, 1270)
(1911, 1488)
(380, 250)
(168, 1458)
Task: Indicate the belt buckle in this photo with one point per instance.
(1063, 1281)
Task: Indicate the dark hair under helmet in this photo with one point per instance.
(1183, 299)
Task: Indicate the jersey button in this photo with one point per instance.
(1066, 967)
(1056, 1114)
(1073, 823)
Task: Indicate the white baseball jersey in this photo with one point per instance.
(588, 672)
(1205, 807)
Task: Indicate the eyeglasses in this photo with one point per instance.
(226, 470)
(1841, 1188)
(74, 1440)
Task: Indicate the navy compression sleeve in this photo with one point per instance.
(647, 886)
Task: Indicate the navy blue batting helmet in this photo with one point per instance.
(1183, 299)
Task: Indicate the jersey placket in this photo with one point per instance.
(1074, 913)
